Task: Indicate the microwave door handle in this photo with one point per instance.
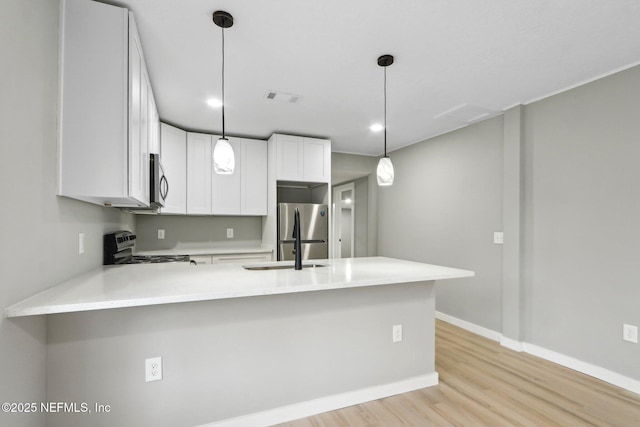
(164, 187)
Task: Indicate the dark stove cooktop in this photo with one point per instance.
(155, 259)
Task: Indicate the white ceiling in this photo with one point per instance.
(488, 55)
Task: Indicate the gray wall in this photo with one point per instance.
(571, 268)
(362, 171)
(196, 231)
(227, 358)
(443, 208)
(582, 216)
(39, 230)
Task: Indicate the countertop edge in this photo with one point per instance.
(37, 304)
(12, 311)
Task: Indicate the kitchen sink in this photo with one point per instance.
(280, 267)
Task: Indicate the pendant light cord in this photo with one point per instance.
(223, 133)
(385, 111)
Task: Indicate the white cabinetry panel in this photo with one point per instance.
(317, 160)
(174, 160)
(241, 193)
(254, 177)
(199, 170)
(138, 120)
(225, 196)
(302, 159)
(106, 105)
(289, 158)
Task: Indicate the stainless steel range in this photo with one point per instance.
(118, 249)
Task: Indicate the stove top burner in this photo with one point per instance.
(155, 259)
(118, 249)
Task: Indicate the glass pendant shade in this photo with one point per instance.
(385, 171)
(224, 160)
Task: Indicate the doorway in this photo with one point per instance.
(344, 197)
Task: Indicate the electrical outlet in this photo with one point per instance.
(630, 333)
(229, 233)
(80, 243)
(498, 237)
(397, 333)
(153, 369)
(160, 234)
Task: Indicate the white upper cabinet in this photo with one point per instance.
(199, 173)
(225, 189)
(138, 119)
(253, 191)
(289, 157)
(107, 109)
(244, 192)
(302, 159)
(174, 160)
(316, 164)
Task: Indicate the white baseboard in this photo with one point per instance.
(584, 367)
(603, 374)
(325, 404)
(511, 344)
(471, 327)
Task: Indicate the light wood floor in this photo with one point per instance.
(485, 384)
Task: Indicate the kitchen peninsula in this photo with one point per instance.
(246, 347)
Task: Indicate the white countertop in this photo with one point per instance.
(149, 284)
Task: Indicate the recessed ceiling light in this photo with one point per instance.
(376, 127)
(214, 102)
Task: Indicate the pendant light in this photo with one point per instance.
(223, 157)
(385, 167)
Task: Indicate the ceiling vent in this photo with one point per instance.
(289, 98)
(466, 113)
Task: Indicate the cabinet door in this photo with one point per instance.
(316, 160)
(199, 169)
(225, 189)
(289, 158)
(138, 170)
(253, 189)
(154, 122)
(241, 258)
(174, 160)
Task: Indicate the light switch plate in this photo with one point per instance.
(160, 233)
(498, 237)
(397, 333)
(229, 233)
(80, 243)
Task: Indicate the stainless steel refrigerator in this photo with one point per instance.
(314, 230)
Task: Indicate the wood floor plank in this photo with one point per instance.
(485, 384)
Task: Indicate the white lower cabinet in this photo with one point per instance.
(240, 258)
(247, 258)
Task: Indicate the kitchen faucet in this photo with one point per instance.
(297, 246)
